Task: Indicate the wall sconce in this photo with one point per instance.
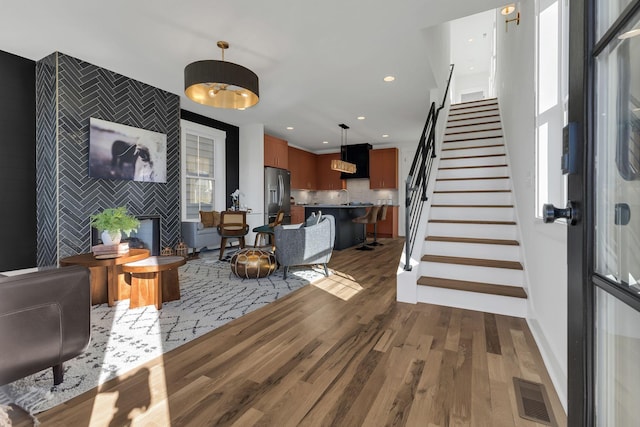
(508, 10)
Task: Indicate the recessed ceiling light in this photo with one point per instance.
(629, 34)
(325, 142)
(385, 136)
(289, 127)
(472, 68)
(389, 79)
(361, 117)
(470, 40)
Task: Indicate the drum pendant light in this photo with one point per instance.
(343, 165)
(221, 84)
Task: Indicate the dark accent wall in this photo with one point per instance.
(232, 148)
(17, 162)
(69, 92)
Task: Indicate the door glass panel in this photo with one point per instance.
(608, 11)
(617, 379)
(617, 160)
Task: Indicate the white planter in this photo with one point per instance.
(111, 239)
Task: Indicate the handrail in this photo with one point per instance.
(418, 178)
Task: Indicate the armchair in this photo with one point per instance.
(300, 245)
(45, 320)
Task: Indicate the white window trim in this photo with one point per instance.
(219, 138)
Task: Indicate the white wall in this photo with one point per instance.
(251, 155)
(477, 82)
(544, 245)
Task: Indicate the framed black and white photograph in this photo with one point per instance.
(119, 151)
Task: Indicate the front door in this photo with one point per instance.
(604, 188)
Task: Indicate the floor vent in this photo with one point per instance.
(533, 402)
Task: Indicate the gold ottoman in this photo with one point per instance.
(253, 263)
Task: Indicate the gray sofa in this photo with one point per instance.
(196, 236)
(300, 245)
(45, 320)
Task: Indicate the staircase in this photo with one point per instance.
(471, 255)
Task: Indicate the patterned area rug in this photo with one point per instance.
(123, 338)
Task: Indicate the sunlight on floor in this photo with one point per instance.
(143, 398)
(339, 284)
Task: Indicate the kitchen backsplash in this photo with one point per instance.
(358, 189)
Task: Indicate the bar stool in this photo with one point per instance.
(382, 215)
(370, 218)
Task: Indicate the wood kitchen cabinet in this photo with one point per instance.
(276, 152)
(302, 165)
(383, 168)
(388, 227)
(297, 214)
(328, 179)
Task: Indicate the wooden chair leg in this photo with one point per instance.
(223, 244)
(242, 242)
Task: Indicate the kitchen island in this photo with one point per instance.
(348, 233)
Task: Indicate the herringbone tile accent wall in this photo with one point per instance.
(85, 91)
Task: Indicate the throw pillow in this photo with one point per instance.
(210, 218)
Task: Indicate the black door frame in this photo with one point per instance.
(583, 48)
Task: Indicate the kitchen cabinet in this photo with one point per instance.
(383, 168)
(297, 214)
(302, 165)
(388, 227)
(328, 179)
(276, 152)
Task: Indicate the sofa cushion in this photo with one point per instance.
(210, 218)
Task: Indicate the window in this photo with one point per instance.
(203, 170)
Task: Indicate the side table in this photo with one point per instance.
(105, 273)
(154, 280)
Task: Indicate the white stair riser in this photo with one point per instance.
(469, 143)
(473, 161)
(472, 199)
(470, 135)
(473, 250)
(479, 110)
(456, 108)
(481, 151)
(470, 128)
(474, 184)
(498, 304)
(462, 120)
(472, 273)
(478, 214)
(482, 231)
(473, 172)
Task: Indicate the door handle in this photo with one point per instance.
(550, 213)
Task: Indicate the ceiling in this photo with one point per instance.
(319, 63)
(471, 43)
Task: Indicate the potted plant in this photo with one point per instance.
(112, 222)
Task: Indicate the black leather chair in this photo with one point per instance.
(45, 320)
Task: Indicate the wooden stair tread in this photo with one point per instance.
(475, 147)
(474, 124)
(472, 139)
(470, 191)
(480, 156)
(468, 107)
(472, 167)
(474, 102)
(474, 178)
(471, 221)
(478, 262)
(484, 288)
(473, 240)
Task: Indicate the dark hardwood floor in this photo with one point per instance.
(341, 352)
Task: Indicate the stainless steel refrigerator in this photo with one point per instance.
(277, 194)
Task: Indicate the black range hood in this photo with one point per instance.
(358, 154)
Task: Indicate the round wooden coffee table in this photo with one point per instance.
(154, 280)
(105, 274)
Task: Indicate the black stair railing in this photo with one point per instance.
(418, 178)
